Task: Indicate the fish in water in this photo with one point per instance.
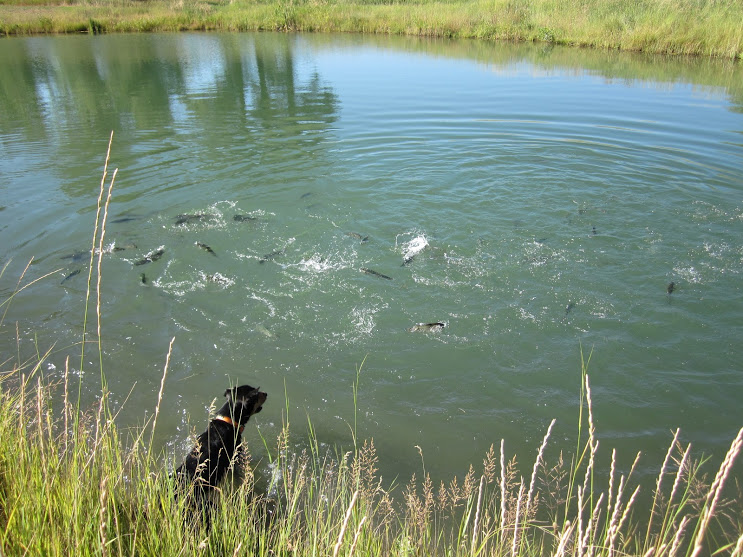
(125, 247)
(415, 246)
(593, 229)
(671, 287)
(270, 256)
(151, 257)
(243, 218)
(435, 326)
(207, 248)
(358, 236)
(185, 219)
(123, 219)
(305, 195)
(569, 307)
(143, 278)
(262, 329)
(373, 272)
(72, 274)
(76, 255)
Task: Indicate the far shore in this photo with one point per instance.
(684, 27)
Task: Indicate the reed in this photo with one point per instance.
(64, 491)
(692, 27)
(72, 483)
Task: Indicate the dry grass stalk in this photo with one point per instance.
(102, 521)
(678, 537)
(66, 403)
(592, 443)
(564, 539)
(540, 454)
(502, 489)
(356, 536)
(100, 254)
(160, 394)
(93, 243)
(714, 493)
(679, 473)
(516, 520)
(589, 537)
(738, 551)
(477, 514)
(658, 483)
(579, 520)
(627, 509)
(40, 422)
(345, 523)
(488, 465)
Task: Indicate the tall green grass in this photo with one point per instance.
(699, 27)
(73, 481)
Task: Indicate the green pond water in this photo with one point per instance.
(546, 198)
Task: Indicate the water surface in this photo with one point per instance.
(557, 194)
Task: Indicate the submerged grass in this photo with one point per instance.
(698, 27)
(72, 483)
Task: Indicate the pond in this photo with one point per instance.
(537, 202)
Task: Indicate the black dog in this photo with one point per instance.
(208, 462)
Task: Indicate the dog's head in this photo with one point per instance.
(243, 402)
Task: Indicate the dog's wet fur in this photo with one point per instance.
(209, 461)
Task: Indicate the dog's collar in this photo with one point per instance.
(230, 421)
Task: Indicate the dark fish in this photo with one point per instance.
(185, 219)
(72, 274)
(143, 278)
(541, 240)
(76, 255)
(150, 258)
(125, 247)
(270, 256)
(305, 195)
(671, 287)
(357, 236)
(593, 229)
(243, 218)
(569, 308)
(207, 248)
(435, 326)
(373, 272)
(123, 219)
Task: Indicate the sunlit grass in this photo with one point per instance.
(72, 484)
(699, 27)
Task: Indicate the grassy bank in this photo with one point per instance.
(698, 27)
(73, 483)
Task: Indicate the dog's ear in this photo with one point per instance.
(230, 393)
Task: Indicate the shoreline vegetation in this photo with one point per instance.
(71, 482)
(710, 28)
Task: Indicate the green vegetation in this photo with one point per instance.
(72, 483)
(699, 27)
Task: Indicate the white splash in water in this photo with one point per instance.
(316, 263)
(413, 248)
